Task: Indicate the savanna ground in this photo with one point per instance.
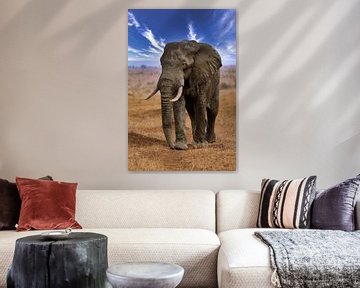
(147, 149)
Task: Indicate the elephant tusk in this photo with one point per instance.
(178, 94)
(152, 94)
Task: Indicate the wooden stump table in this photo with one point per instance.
(79, 261)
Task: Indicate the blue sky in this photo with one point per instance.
(150, 29)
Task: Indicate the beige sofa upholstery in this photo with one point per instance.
(244, 261)
(175, 226)
(146, 209)
(236, 209)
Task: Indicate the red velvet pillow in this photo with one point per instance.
(10, 204)
(46, 204)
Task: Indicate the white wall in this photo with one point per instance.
(63, 92)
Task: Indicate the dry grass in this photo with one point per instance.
(147, 148)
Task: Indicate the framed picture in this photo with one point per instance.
(182, 89)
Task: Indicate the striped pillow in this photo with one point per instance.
(286, 204)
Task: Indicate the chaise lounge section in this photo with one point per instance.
(244, 260)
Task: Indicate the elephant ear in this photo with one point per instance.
(207, 62)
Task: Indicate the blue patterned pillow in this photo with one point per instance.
(334, 208)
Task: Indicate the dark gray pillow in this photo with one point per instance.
(334, 208)
(9, 205)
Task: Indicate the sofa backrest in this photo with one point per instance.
(239, 209)
(146, 209)
(236, 209)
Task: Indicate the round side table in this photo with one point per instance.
(145, 275)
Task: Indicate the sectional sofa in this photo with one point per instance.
(210, 235)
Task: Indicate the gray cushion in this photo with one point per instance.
(334, 208)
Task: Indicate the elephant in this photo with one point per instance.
(189, 80)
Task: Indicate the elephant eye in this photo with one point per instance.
(184, 65)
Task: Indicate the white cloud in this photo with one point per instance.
(156, 48)
(226, 23)
(231, 48)
(227, 52)
(132, 20)
(162, 42)
(137, 52)
(158, 44)
(192, 35)
(153, 50)
(144, 55)
(228, 27)
(224, 18)
(133, 50)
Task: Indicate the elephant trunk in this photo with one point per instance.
(169, 81)
(166, 112)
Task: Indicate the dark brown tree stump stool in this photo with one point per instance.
(79, 261)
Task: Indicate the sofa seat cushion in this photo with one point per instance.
(244, 261)
(194, 249)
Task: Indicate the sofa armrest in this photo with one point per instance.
(357, 215)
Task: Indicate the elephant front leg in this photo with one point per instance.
(201, 122)
(190, 108)
(212, 111)
(179, 116)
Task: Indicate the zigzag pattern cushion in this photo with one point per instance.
(286, 204)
